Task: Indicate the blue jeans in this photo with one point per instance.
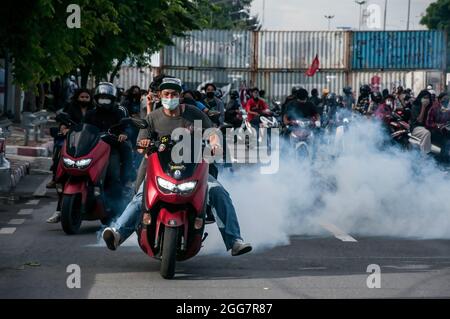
(218, 198)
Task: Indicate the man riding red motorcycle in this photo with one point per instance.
(169, 208)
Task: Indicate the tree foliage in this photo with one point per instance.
(36, 36)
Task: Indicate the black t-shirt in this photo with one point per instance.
(298, 110)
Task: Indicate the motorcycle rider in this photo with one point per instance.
(314, 99)
(377, 99)
(188, 98)
(162, 122)
(419, 114)
(363, 103)
(300, 108)
(213, 103)
(104, 116)
(292, 97)
(81, 104)
(349, 100)
(255, 107)
(233, 108)
(436, 123)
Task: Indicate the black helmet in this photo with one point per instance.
(347, 90)
(295, 90)
(365, 89)
(105, 95)
(377, 97)
(314, 92)
(234, 94)
(302, 94)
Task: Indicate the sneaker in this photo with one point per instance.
(52, 184)
(56, 218)
(240, 248)
(111, 238)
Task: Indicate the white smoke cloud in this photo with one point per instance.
(365, 192)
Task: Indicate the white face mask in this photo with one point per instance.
(170, 104)
(104, 101)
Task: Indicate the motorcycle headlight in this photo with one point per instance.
(184, 188)
(187, 187)
(83, 163)
(68, 162)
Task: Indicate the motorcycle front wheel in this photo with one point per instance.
(71, 213)
(169, 252)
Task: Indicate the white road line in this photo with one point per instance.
(16, 222)
(339, 234)
(42, 189)
(33, 202)
(7, 230)
(25, 211)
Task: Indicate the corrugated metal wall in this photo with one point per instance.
(129, 76)
(210, 48)
(278, 85)
(296, 50)
(399, 50)
(194, 77)
(276, 60)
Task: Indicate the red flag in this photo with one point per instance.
(314, 67)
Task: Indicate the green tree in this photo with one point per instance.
(145, 26)
(438, 17)
(231, 15)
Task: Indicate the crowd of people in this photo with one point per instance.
(166, 106)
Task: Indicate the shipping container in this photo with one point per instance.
(194, 79)
(296, 50)
(210, 48)
(399, 50)
(278, 85)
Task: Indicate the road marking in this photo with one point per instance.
(42, 189)
(25, 211)
(339, 234)
(16, 221)
(33, 202)
(7, 230)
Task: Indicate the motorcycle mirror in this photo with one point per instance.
(139, 123)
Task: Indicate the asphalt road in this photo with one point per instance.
(34, 257)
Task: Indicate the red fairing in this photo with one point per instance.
(76, 188)
(196, 198)
(99, 155)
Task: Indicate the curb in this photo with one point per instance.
(15, 173)
(41, 151)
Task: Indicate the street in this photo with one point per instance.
(34, 257)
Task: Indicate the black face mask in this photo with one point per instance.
(84, 104)
(189, 101)
(210, 95)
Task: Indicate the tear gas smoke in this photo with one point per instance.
(366, 191)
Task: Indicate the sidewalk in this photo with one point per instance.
(15, 144)
(23, 159)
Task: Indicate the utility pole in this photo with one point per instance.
(385, 14)
(360, 3)
(329, 17)
(409, 15)
(263, 14)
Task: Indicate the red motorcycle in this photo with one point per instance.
(81, 175)
(174, 207)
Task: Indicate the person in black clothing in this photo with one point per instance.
(314, 99)
(80, 105)
(104, 116)
(233, 108)
(300, 108)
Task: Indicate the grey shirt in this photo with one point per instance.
(163, 125)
